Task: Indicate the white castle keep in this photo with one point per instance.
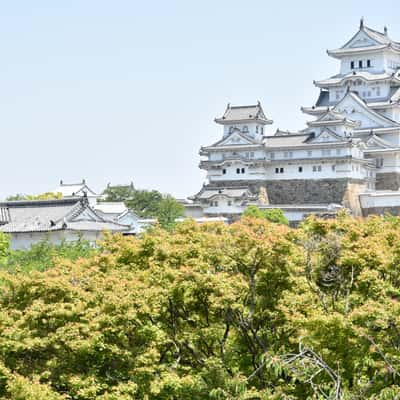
(347, 156)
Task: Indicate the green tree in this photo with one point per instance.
(41, 196)
(147, 203)
(275, 215)
(168, 211)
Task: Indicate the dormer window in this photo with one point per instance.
(245, 129)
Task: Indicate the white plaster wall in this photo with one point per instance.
(310, 153)
(25, 240)
(380, 199)
(378, 63)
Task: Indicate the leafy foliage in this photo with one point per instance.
(41, 196)
(254, 310)
(273, 215)
(146, 203)
(43, 255)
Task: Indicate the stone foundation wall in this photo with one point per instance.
(306, 191)
(388, 181)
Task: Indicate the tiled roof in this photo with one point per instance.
(243, 113)
(364, 75)
(234, 192)
(53, 215)
(289, 140)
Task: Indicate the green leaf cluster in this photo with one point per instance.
(275, 215)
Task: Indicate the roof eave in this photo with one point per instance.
(223, 121)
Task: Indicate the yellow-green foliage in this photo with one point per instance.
(211, 312)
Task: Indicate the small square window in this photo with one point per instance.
(229, 203)
(314, 168)
(300, 169)
(243, 170)
(360, 64)
(277, 170)
(352, 65)
(238, 170)
(224, 171)
(281, 170)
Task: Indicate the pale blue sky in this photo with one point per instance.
(115, 91)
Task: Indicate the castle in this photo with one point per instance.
(347, 156)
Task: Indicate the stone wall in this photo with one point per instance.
(387, 181)
(306, 191)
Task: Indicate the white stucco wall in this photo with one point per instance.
(25, 240)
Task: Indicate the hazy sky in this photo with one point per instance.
(114, 91)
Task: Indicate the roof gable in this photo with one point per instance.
(361, 39)
(234, 139)
(326, 136)
(356, 109)
(375, 142)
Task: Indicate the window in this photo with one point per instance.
(231, 129)
(243, 170)
(224, 171)
(352, 65)
(262, 130)
(252, 154)
(326, 152)
(319, 168)
(360, 64)
(277, 170)
(378, 91)
(369, 94)
(229, 203)
(316, 168)
(333, 167)
(257, 129)
(238, 170)
(369, 63)
(300, 169)
(281, 170)
(245, 129)
(216, 203)
(288, 154)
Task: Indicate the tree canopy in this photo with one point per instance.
(272, 214)
(253, 310)
(41, 196)
(147, 203)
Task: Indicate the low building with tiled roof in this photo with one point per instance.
(33, 221)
